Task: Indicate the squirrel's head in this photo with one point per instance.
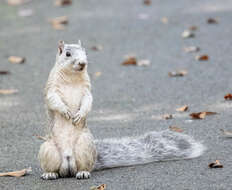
(72, 57)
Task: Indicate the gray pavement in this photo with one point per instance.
(128, 101)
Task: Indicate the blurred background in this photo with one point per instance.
(146, 59)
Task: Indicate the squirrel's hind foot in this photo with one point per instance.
(83, 175)
(50, 176)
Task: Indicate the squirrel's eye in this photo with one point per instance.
(68, 54)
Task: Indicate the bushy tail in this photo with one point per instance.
(153, 146)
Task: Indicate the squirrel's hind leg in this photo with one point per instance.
(85, 155)
(50, 160)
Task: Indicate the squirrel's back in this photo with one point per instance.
(153, 146)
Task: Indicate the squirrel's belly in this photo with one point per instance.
(72, 96)
(65, 133)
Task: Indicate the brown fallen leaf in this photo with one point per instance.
(188, 34)
(176, 129)
(228, 96)
(63, 2)
(130, 60)
(143, 62)
(202, 57)
(4, 72)
(97, 48)
(164, 20)
(226, 133)
(147, 2)
(212, 21)
(182, 109)
(100, 187)
(97, 74)
(167, 116)
(58, 23)
(191, 49)
(8, 91)
(16, 59)
(19, 173)
(193, 28)
(201, 115)
(215, 164)
(180, 73)
(17, 2)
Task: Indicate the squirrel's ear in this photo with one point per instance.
(60, 47)
(79, 43)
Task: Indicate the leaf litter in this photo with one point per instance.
(191, 49)
(18, 173)
(188, 34)
(2, 72)
(228, 97)
(16, 59)
(176, 129)
(179, 73)
(167, 116)
(202, 115)
(131, 60)
(203, 57)
(182, 109)
(60, 3)
(8, 91)
(226, 133)
(100, 187)
(215, 164)
(59, 23)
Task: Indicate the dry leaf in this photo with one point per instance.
(202, 57)
(180, 73)
(182, 109)
(25, 12)
(19, 173)
(176, 129)
(215, 164)
(8, 91)
(164, 20)
(143, 62)
(59, 22)
(41, 138)
(97, 48)
(191, 49)
(193, 28)
(201, 115)
(63, 2)
(147, 2)
(188, 34)
(130, 60)
(100, 187)
(228, 97)
(226, 133)
(17, 2)
(212, 21)
(167, 116)
(4, 72)
(16, 59)
(97, 74)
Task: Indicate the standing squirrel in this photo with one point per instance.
(71, 149)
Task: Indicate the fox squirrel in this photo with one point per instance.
(71, 149)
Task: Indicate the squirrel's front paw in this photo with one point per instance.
(67, 114)
(77, 118)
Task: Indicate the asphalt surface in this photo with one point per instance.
(128, 101)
